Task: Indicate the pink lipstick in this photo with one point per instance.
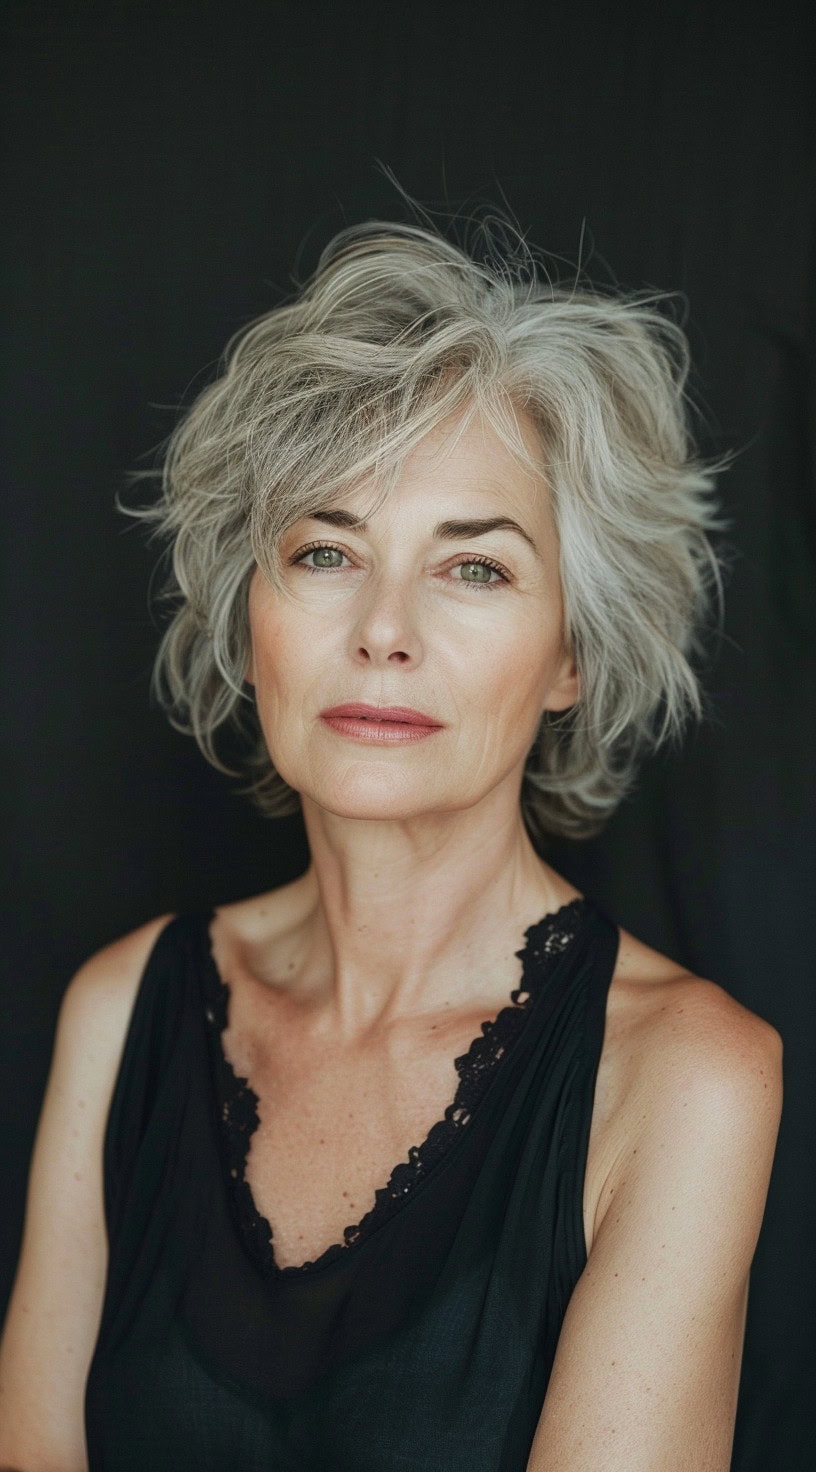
(386, 724)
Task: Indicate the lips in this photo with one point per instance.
(402, 715)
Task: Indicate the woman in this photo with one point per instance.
(420, 1160)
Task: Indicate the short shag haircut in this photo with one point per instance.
(397, 329)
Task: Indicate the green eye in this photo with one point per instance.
(322, 556)
(481, 572)
(327, 558)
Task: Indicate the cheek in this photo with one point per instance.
(282, 647)
(504, 702)
(519, 673)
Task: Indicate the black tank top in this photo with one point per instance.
(425, 1339)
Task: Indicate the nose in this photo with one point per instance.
(385, 630)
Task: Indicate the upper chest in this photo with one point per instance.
(335, 1119)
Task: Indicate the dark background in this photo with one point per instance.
(165, 169)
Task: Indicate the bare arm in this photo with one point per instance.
(647, 1370)
(56, 1302)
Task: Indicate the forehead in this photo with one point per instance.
(468, 460)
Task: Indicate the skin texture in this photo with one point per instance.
(648, 1365)
(354, 988)
(646, 1374)
(420, 849)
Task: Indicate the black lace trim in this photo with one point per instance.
(476, 1068)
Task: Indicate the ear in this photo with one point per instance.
(566, 688)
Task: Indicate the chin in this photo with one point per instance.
(360, 797)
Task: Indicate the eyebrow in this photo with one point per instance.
(452, 530)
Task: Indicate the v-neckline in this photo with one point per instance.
(478, 1067)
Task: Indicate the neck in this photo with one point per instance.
(402, 914)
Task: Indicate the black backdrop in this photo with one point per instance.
(164, 168)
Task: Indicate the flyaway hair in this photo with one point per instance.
(397, 329)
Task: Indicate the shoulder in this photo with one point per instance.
(693, 1038)
(698, 1095)
(669, 1022)
(118, 958)
(92, 1027)
(101, 993)
(699, 1081)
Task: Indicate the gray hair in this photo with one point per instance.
(397, 329)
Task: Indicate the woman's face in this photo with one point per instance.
(465, 628)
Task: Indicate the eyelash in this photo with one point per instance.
(485, 561)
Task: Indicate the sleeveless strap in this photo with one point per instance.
(605, 947)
